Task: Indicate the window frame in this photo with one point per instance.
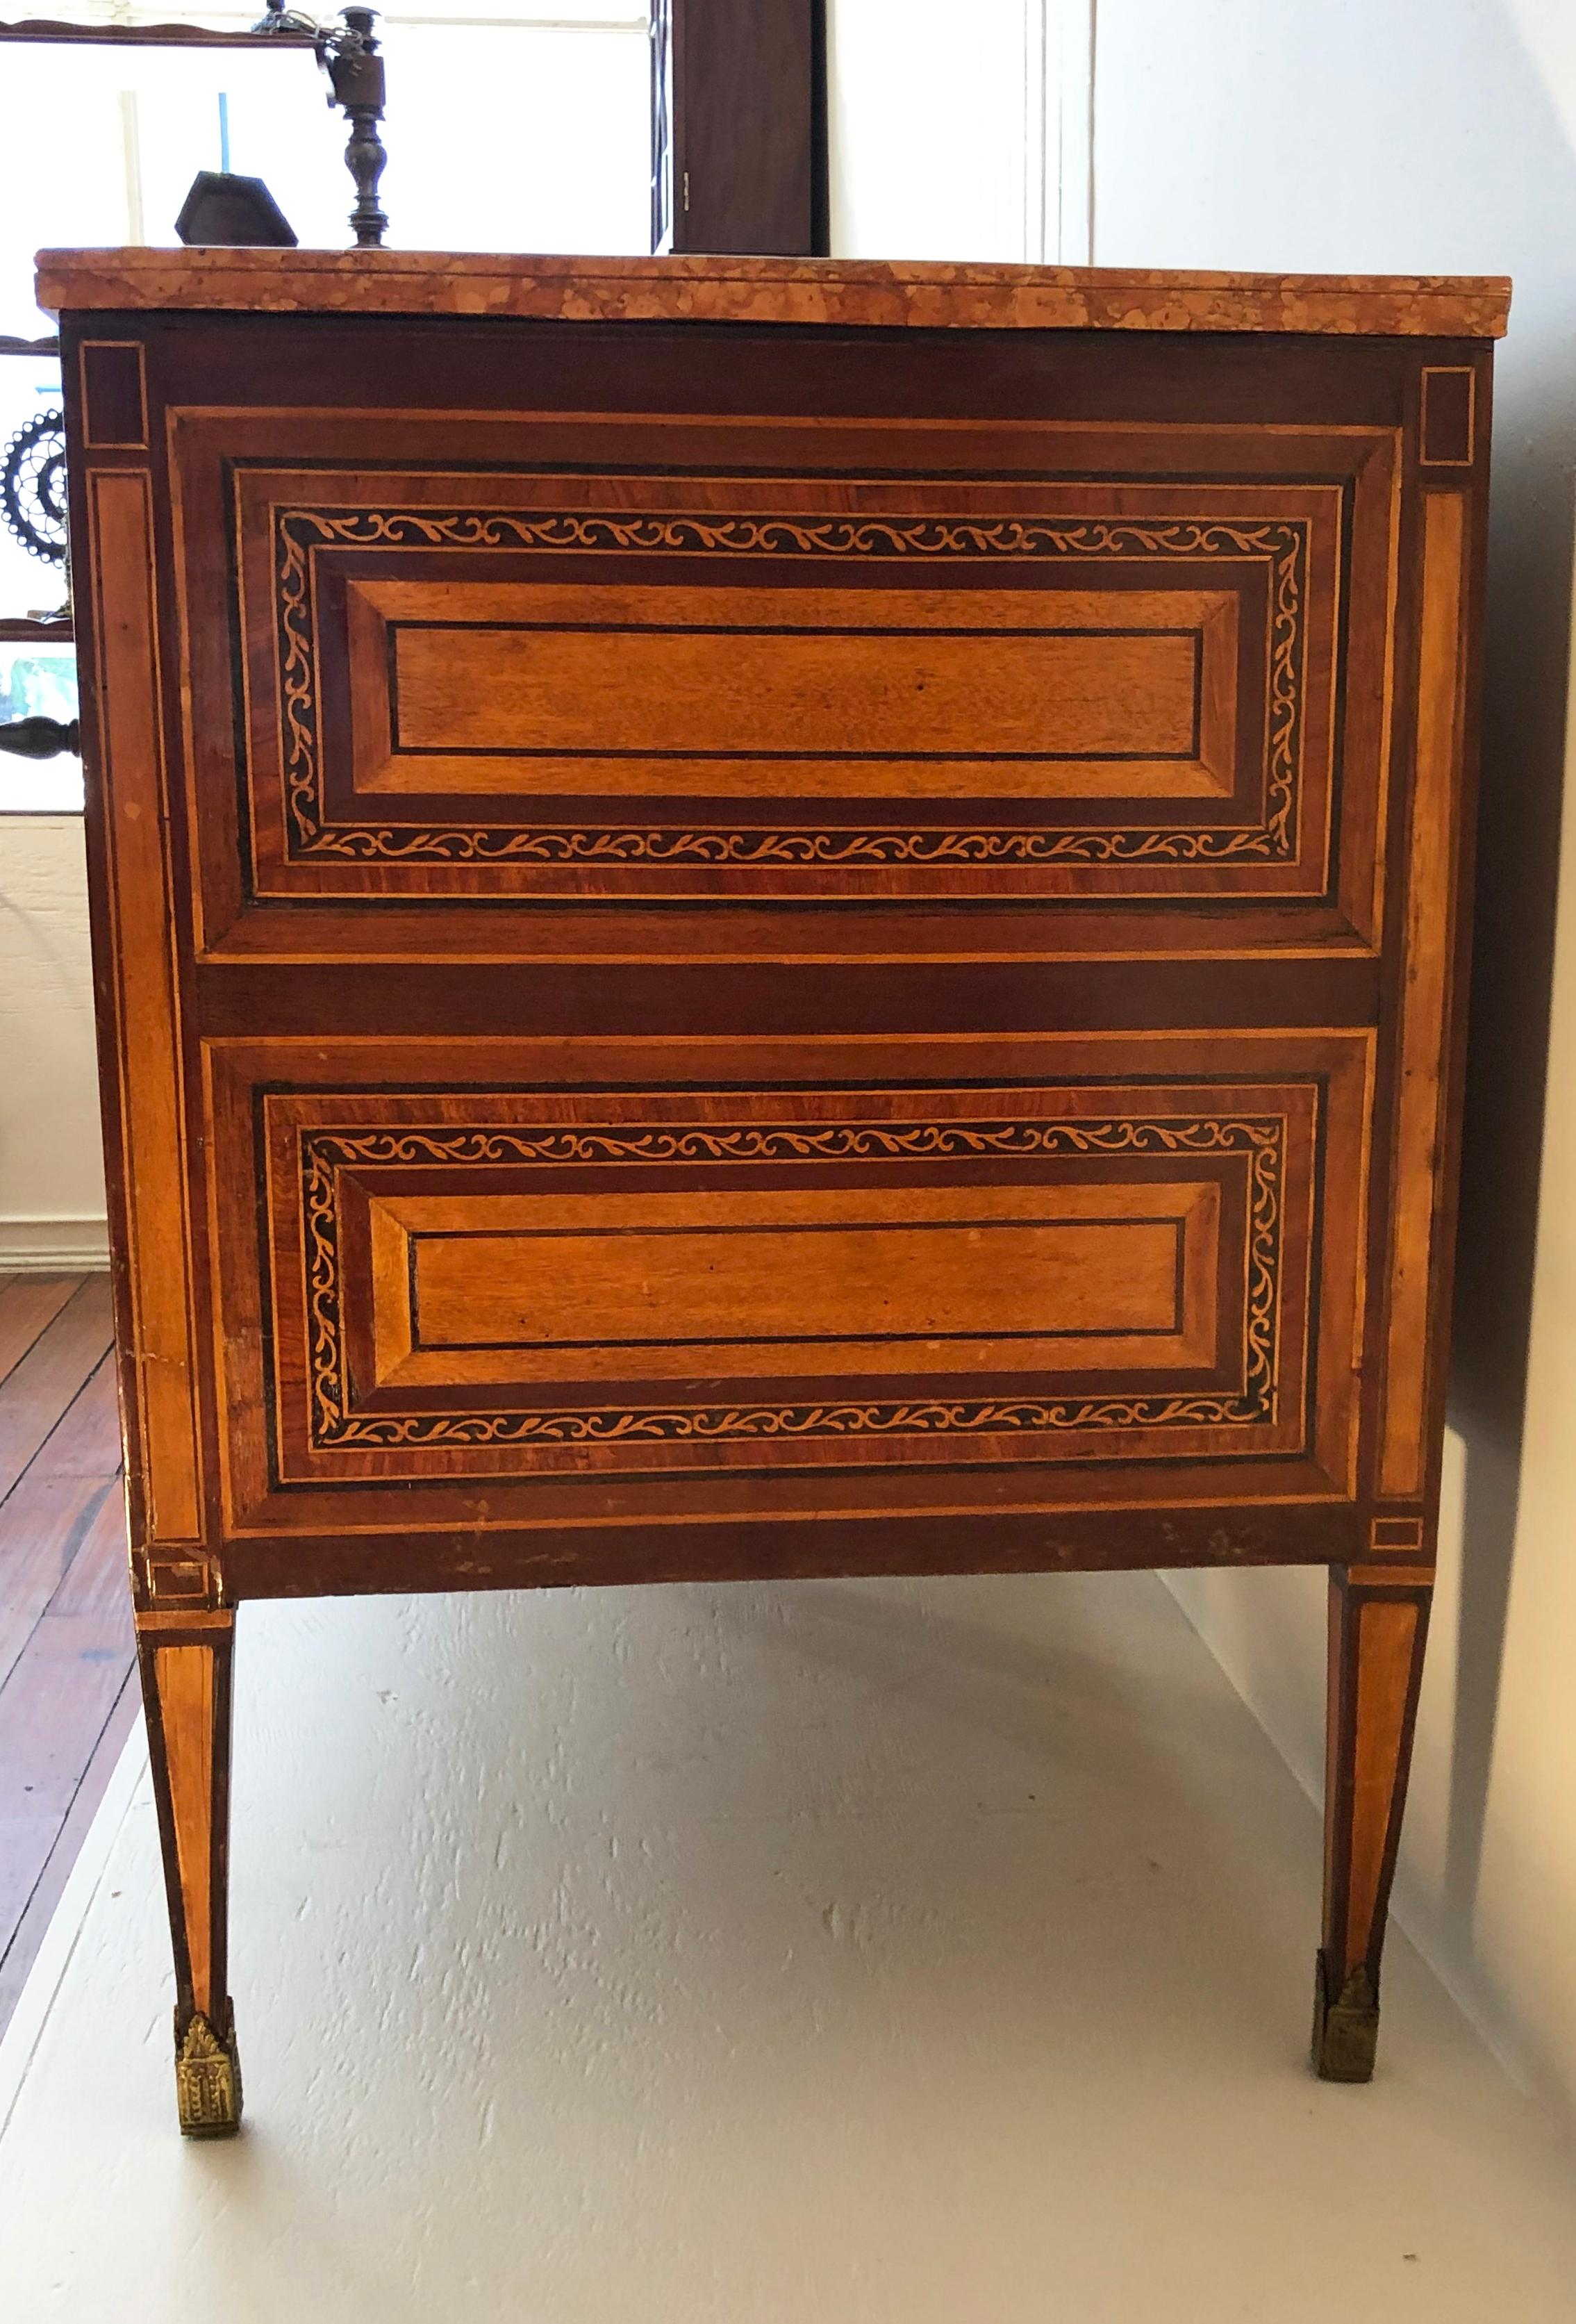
(739, 128)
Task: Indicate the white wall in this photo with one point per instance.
(51, 1173)
(941, 142)
(904, 95)
(1436, 136)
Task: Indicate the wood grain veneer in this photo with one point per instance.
(735, 947)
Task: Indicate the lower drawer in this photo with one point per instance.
(600, 1271)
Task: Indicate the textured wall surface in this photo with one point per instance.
(895, 1953)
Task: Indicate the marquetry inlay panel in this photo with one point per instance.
(665, 685)
(511, 1282)
(148, 1159)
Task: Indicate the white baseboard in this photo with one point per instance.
(52, 1246)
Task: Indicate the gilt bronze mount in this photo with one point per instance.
(208, 2078)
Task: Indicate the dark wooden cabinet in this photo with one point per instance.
(769, 918)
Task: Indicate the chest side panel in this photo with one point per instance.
(819, 943)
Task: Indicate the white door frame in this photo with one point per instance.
(1059, 131)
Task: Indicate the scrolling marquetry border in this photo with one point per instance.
(299, 532)
(324, 1154)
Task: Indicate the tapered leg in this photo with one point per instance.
(1377, 1625)
(186, 1692)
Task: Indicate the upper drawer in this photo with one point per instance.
(668, 683)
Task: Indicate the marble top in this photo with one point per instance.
(850, 292)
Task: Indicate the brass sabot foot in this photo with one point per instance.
(208, 2077)
(1346, 2027)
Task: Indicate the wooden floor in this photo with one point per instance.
(67, 1694)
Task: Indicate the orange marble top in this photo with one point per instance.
(767, 291)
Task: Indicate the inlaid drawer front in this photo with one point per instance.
(669, 685)
(516, 1282)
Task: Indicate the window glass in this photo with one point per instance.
(30, 401)
(38, 674)
(39, 680)
(503, 133)
(512, 139)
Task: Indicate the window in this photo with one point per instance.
(38, 664)
(505, 131)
